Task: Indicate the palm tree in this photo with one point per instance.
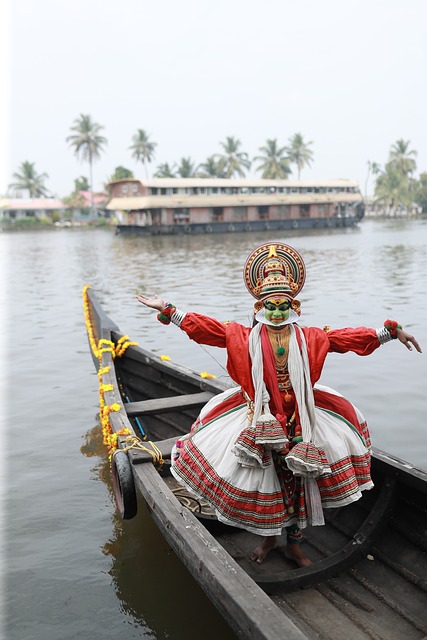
(393, 188)
(87, 142)
(186, 168)
(28, 179)
(373, 169)
(165, 171)
(299, 152)
(401, 158)
(213, 167)
(234, 160)
(143, 149)
(275, 164)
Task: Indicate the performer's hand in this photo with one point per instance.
(406, 339)
(155, 302)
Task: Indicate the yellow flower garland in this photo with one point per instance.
(98, 349)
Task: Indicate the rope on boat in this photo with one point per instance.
(133, 442)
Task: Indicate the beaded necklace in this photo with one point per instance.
(279, 341)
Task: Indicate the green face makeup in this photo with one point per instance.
(277, 310)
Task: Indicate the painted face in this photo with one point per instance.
(277, 310)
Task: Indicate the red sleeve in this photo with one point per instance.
(360, 340)
(204, 330)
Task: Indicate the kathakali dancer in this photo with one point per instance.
(274, 451)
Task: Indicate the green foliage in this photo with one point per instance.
(274, 161)
(186, 168)
(87, 141)
(213, 167)
(395, 187)
(143, 149)
(401, 158)
(86, 138)
(234, 161)
(420, 196)
(27, 179)
(81, 184)
(120, 173)
(165, 171)
(299, 152)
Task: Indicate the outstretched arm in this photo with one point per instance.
(201, 329)
(406, 339)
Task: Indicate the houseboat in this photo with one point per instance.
(219, 205)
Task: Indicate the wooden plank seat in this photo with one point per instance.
(167, 405)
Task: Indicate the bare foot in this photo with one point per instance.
(295, 553)
(260, 553)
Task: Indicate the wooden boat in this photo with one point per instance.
(369, 562)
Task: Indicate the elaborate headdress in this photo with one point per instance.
(274, 269)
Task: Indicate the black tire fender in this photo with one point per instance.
(123, 485)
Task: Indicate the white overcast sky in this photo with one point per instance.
(350, 75)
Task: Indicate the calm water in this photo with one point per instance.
(73, 569)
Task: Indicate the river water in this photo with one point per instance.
(73, 569)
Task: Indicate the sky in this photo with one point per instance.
(349, 75)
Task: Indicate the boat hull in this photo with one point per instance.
(195, 228)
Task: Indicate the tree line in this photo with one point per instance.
(395, 184)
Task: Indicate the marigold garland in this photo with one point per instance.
(98, 349)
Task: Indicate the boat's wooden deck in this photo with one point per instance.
(382, 597)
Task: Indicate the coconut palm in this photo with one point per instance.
(373, 169)
(402, 158)
(27, 179)
(274, 161)
(165, 171)
(143, 149)
(213, 167)
(187, 168)
(393, 188)
(87, 143)
(299, 152)
(234, 160)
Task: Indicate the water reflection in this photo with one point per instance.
(151, 583)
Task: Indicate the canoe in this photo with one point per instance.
(369, 562)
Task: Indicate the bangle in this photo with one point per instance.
(165, 315)
(392, 326)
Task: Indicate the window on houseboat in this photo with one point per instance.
(263, 212)
(181, 216)
(304, 210)
(217, 214)
(153, 191)
(244, 190)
